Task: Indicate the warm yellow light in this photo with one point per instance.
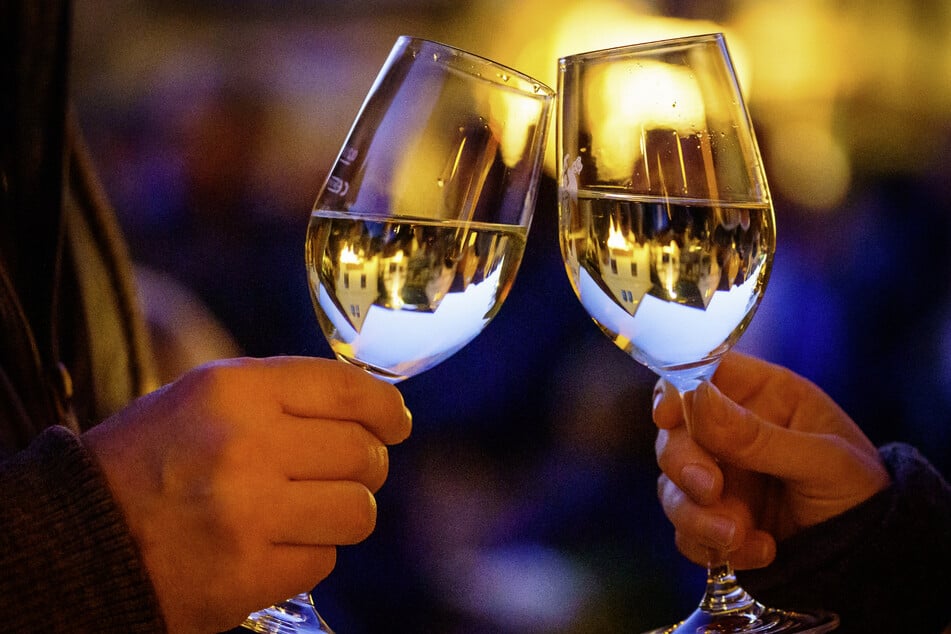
(518, 112)
(576, 26)
(798, 56)
(349, 256)
(813, 167)
(654, 95)
(616, 239)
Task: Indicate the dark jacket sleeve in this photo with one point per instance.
(884, 566)
(71, 351)
(68, 562)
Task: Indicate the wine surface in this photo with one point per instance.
(396, 296)
(672, 283)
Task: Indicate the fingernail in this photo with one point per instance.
(721, 531)
(697, 481)
(658, 394)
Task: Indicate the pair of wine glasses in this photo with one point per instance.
(666, 228)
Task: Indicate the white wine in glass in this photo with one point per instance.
(415, 239)
(396, 297)
(667, 231)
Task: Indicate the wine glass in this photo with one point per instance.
(417, 234)
(667, 231)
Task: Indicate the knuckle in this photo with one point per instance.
(671, 501)
(379, 467)
(744, 438)
(214, 384)
(350, 387)
(368, 457)
(210, 377)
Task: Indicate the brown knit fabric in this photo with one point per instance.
(68, 562)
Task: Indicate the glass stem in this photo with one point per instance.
(723, 592)
(294, 616)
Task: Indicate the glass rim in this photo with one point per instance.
(640, 47)
(503, 76)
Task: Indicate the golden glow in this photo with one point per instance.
(518, 112)
(835, 88)
(394, 279)
(656, 95)
(616, 239)
(667, 265)
(871, 79)
(349, 256)
(575, 26)
(811, 160)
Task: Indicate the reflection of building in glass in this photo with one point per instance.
(731, 268)
(627, 271)
(481, 253)
(356, 285)
(666, 259)
(417, 276)
(689, 274)
(700, 269)
(395, 270)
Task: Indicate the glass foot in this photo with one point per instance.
(294, 616)
(755, 619)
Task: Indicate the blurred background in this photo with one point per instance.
(525, 500)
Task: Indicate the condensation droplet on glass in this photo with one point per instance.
(536, 87)
(435, 57)
(440, 182)
(503, 77)
(673, 105)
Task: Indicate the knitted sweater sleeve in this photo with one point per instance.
(67, 560)
(883, 566)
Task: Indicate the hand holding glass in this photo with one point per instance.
(416, 236)
(667, 232)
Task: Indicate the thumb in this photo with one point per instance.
(740, 437)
